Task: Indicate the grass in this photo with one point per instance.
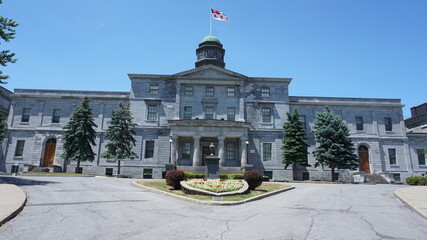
(264, 188)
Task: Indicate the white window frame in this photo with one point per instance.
(188, 91)
(264, 144)
(265, 92)
(231, 91)
(156, 112)
(154, 89)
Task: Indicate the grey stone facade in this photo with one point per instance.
(178, 116)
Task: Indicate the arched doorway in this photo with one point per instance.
(49, 152)
(364, 159)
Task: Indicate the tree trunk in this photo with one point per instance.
(118, 167)
(294, 171)
(333, 173)
(77, 170)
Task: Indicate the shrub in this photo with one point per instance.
(235, 176)
(173, 178)
(231, 176)
(253, 178)
(417, 180)
(189, 175)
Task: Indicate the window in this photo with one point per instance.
(396, 177)
(359, 123)
(231, 91)
(154, 89)
(265, 92)
(188, 112)
(149, 149)
(26, 115)
(231, 152)
(421, 157)
(387, 123)
(303, 120)
(56, 115)
(210, 91)
(306, 176)
(209, 112)
(152, 112)
(186, 150)
(188, 91)
(266, 115)
(266, 151)
(19, 150)
(231, 114)
(392, 156)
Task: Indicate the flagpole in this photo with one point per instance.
(210, 21)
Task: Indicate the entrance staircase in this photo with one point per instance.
(375, 179)
(201, 169)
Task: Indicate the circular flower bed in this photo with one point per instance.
(215, 185)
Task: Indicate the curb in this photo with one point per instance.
(17, 211)
(407, 203)
(212, 203)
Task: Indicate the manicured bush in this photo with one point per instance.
(253, 178)
(173, 178)
(189, 175)
(223, 176)
(235, 176)
(231, 176)
(417, 180)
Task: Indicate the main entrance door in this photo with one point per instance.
(49, 152)
(364, 159)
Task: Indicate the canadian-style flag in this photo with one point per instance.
(219, 15)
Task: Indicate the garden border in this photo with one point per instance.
(213, 203)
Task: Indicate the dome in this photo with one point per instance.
(210, 38)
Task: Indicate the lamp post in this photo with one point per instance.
(247, 151)
(170, 150)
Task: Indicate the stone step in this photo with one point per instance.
(375, 179)
(201, 169)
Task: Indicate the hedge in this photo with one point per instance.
(417, 180)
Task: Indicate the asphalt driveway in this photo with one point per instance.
(107, 208)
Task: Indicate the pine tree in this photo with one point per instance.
(79, 136)
(120, 137)
(7, 32)
(294, 142)
(335, 149)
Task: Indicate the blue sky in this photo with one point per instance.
(331, 48)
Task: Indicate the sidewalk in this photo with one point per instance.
(12, 200)
(415, 197)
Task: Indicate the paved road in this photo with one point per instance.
(102, 208)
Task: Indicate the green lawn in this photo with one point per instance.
(264, 188)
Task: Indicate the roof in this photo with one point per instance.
(210, 38)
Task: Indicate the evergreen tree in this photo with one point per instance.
(7, 32)
(79, 136)
(335, 149)
(294, 142)
(119, 134)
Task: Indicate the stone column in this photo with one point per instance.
(173, 150)
(196, 153)
(243, 159)
(221, 151)
(177, 105)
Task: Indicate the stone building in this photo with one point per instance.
(180, 115)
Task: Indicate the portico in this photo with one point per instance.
(191, 140)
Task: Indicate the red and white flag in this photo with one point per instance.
(219, 15)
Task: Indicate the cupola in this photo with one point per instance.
(210, 51)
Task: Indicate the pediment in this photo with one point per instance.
(210, 71)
